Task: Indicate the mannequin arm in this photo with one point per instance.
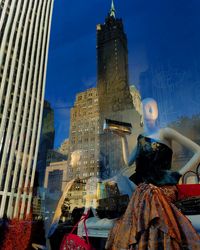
(172, 135)
(128, 159)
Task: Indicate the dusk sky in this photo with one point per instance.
(160, 32)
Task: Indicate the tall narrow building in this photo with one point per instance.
(112, 65)
(115, 100)
(46, 141)
(24, 42)
(84, 136)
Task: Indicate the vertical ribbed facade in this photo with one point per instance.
(24, 40)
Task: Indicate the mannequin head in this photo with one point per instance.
(75, 158)
(150, 112)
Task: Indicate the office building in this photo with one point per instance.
(24, 42)
(84, 136)
(94, 152)
(55, 176)
(115, 99)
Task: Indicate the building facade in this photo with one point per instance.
(93, 152)
(54, 183)
(64, 147)
(137, 102)
(115, 99)
(46, 141)
(24, 41)
(84, 136)
(55, 176)
(76, 196)
(112, 65)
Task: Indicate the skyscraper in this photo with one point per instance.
(24, 40)
(112, 65)
(98, 153)
(115, 100)
(84, 136)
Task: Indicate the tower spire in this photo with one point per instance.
(112, 10)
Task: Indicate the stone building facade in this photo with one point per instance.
(84, 136)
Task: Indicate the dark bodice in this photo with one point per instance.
(153, 163)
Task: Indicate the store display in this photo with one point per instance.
(151, 219)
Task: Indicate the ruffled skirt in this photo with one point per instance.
(153, 222)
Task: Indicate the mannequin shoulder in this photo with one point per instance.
(164, 136)
(167, 132)
(170, 134)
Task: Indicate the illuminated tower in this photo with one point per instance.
(112, 65)
(115, 100)
(24, 41)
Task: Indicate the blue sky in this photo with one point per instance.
(163, 35)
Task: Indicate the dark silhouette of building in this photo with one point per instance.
(112, 65)
(115, 100)
(46, 141)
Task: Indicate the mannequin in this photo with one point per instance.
(164, 135)
(151, 220)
